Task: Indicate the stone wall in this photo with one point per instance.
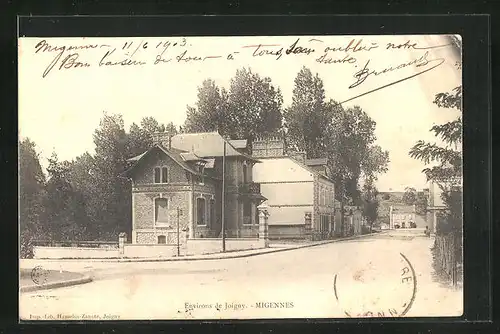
(210, 246)
(287, 231)
(151, 251)
(74, 253)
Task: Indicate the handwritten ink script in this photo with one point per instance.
(360, 54)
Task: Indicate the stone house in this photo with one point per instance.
(299, 194)
(401, 216)
(177, 184)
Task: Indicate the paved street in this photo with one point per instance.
(369, 276)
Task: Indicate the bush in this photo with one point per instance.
(26, 245)
(365, 229)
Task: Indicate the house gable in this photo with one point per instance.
(144, 172)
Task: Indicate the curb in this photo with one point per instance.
(54, 285)
(267, 251)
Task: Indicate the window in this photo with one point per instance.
(161, 175)
(200, 209)
(162, 239)
(157, 175)
(161, 210)
(164, 175)
(247, 212)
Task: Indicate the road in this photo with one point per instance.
(350, 277)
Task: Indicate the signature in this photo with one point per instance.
(422, 62)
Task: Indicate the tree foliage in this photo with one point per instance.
(345, 136)
(447, 173)
(410, 196)
(307, 119)
(31, 194)
(370, 202)
(86, 198)
(251, 107)
(449, 156)
(64, 206)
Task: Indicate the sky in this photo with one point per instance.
(60, 108)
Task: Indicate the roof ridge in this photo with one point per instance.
(198, 133)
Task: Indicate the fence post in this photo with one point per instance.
(121, 242)
(263, 225)
(308, 225)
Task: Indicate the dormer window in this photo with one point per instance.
(161, 175)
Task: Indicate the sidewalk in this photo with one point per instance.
(273, 248)
(27, 285)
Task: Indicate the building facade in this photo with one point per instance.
(401, 216)
(299, 195)
(177, 188)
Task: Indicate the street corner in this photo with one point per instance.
(40, 278)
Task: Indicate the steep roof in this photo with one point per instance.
(173, 153)
(206, 144)
(310, 169)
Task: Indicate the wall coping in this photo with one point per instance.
(82, 248)
(151, 245)
(220, 239)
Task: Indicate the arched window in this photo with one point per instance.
(161, 175)
(162, 239)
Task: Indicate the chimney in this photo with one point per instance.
(163, 138)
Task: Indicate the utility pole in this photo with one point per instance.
(223, 198)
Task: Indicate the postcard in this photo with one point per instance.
(240, 177)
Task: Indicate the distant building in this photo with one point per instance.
(297, 190)
(401, 216)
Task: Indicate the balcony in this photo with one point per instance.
(249, 188)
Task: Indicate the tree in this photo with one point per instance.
(113, 204)
(211, 112)
(447, 174)
(410, 196)
(386, 197)
(351, 152)
(375, 162)
(254, 104)
(31, 192)
(370, 202)
(345, 136)
(140, 138)
(251, 107)
(421, 204)
(448, 157)
(83, 178)
(308, 118)
(64, 206)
